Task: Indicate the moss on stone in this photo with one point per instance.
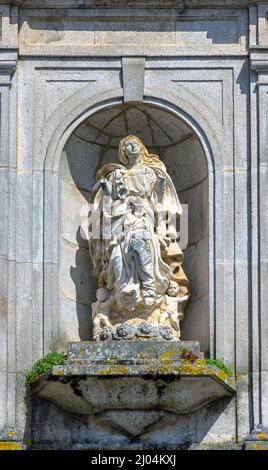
(165, 366)
(43, 365)
(220, 365)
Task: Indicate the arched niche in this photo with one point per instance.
(92, 144)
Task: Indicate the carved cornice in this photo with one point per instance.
(8, 64)
(183, 4)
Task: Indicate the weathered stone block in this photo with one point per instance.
(132, 352)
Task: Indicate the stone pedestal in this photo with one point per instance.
(132, 387)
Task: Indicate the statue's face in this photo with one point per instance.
(173, 290)
(132, 151)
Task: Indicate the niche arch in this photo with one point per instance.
(58, 132)
(90, 145)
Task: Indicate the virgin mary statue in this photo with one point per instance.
(136, 258)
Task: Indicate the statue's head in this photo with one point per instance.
(173, 289)
(130, 150)
(102, 294)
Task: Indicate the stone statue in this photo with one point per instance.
(137, 260)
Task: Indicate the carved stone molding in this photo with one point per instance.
(8, 64)
(259, 59)
(137, 3)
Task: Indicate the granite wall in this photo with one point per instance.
(202, 73)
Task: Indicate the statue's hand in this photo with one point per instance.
(164, 242)
(167, 240)
(113, 243)
(101, 320)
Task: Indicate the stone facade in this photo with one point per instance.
(192, 83)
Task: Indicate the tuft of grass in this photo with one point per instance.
(43, 365)
(220, 364)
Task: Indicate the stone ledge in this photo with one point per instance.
(151, 369)
(109, 379)
(174, 392)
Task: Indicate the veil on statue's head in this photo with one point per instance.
(170, 199)
(146, 158)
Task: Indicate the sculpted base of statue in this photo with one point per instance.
(143, 289)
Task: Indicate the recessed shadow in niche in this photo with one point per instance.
(95, 143)
(80, 275)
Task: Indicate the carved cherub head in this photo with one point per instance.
(173, 289)
(102, 294)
